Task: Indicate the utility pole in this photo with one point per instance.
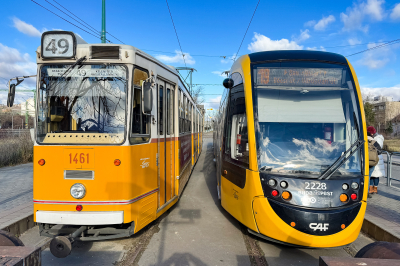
(103, 22)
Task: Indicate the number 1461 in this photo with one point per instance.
(78, 158)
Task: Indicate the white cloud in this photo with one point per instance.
(213, 103)
(304, 35)
(354, 17)
(219, 73)
(384, 91)
(376, 58)
(374, 9)
(354, 41)
(395, 15)
(321, 48)
(12, 64)
(177, 58)
(324, 22)
(26, 28)
(263, 43)
(229, 59)
(310, 23)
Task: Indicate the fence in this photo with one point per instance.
(389, 168)
(8, 133)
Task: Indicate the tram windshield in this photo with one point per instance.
(305, 119)
(82, 99)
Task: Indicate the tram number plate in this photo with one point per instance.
(78, 158)
(315, 185)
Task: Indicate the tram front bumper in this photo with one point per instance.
(80, 218)
(273, 226)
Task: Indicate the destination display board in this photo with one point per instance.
(321, 77)
(86, 71)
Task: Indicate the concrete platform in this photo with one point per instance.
(16, 194)
(198, 231)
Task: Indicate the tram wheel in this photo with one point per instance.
(380, 250)
(8, 239)
(60, 247)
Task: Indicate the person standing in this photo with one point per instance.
(379, 170)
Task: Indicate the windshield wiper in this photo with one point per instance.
(77, 63)
(342, 159)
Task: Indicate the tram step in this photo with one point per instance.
(336, 261)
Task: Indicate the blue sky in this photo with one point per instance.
(209, 30)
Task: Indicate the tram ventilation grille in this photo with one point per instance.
(73, 174)
(105, 52)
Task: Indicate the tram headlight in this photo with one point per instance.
(284, 184)
(354, 185)
(272, 182)
(78, 191)
(345, 186)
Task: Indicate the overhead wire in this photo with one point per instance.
(66, 20)
(377, 47)
(183, 55)
(93, 30)
(246, 30)
(77, 16)
(87, 23)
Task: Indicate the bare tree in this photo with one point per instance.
(196, 94)
(367, 97)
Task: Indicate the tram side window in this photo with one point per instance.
(181, 119)
(160, 109)
(235, 135)
(190, 117)
(185, 103)
(140, 132)
(170, 112)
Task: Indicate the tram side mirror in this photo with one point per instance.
(11, 95)
(228, 83)
(147, 96)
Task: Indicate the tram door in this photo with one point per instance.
(166, 142)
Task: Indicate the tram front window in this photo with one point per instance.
(83, 99)
(306, 120)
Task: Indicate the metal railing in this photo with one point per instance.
(389, 168)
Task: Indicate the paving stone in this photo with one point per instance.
(383, 209)
(16, 193)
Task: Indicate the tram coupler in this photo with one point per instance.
(61, 246)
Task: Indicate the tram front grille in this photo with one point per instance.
(78, 174)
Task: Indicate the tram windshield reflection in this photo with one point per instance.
(302, 130)
(89, 98)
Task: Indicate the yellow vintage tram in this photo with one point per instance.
(117, 136)
(291, 148)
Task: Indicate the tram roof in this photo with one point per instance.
(282, 55)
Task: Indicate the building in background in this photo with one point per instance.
(28, 106)
(387, 113)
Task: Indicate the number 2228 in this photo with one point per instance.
(314, 185)
(82, 158)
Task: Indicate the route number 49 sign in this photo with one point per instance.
(58, 44)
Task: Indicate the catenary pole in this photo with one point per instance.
(103, 22)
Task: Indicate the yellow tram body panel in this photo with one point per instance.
(360, 101)
(111, 183)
